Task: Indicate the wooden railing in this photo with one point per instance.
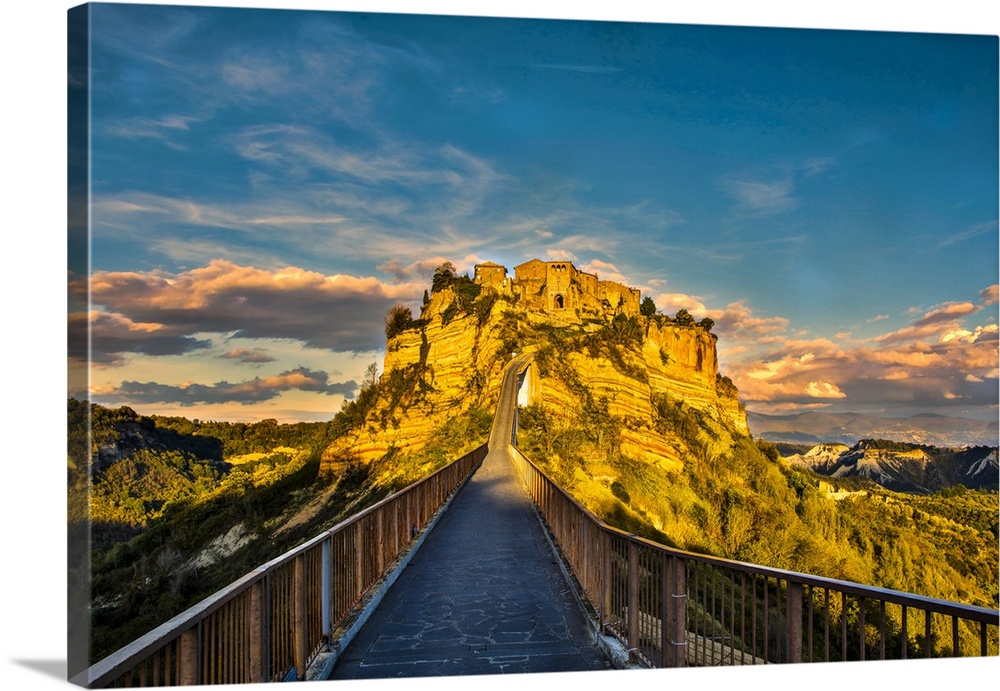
(270, 624)
(673, 608)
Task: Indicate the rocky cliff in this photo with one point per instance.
(449, 361)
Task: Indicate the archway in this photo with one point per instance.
(559, 302)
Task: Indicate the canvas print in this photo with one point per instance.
(430, 346)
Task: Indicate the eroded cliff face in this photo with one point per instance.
(451, 360)
(447, 363)
(669, 367)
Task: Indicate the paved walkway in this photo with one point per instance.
(484, 595)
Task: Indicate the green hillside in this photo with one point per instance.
(181, 508)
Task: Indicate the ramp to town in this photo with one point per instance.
(485, 593)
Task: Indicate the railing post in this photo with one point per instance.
(326, 586)
(793, 620)
(666, 608)
(299, 618)
(379, 541)
(188, 657)
(359, 559)
(257, 638)
(682, 610)
(633, 595)
(605, 578)
(680, 600)
(678, 611)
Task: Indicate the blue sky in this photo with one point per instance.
(266, 184)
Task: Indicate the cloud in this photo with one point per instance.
(556, 255)
(160, 313)
(763, 197)
(312, 198)
(816, 166)
(958, 370)
(165, 129)
(771, 189)
(981, 333)
(968, 234)
(947, 312)
(605, 271)
(113, 335)
(823, 389)
(940, 321)
(248, 356)
(736, 324)
(582, 69)
(989, 295)
(247, 392)
(423, 270)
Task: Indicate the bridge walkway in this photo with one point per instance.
(484, 594)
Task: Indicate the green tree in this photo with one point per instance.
(684, 318)
(397, 320)
(707, 323)
(648, 307)
(444, 275)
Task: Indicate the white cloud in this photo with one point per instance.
(605, 271)
(766, 197)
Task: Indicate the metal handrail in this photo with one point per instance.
(276, 618)
(659, 601)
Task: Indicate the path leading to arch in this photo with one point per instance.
(484, 594)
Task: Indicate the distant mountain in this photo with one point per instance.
(904, 467)
(849, 428)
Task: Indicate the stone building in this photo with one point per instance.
(558, 285)
(491, 275)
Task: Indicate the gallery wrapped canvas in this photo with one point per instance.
(436, 345)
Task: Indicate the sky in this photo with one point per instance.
(266, 184)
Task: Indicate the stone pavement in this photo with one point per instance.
(484, 595)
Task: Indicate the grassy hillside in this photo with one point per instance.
(182, 508)
(734, 497)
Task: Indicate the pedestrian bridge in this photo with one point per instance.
(487, 566)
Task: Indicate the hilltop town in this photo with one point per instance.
(558, 285)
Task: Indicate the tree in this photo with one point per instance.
(648, 307)
(444, 275)
(371, 376)
(684, 318)
(707, 323)
(397, 320)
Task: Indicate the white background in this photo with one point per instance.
(32, 613)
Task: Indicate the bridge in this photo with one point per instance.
(487, 566)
